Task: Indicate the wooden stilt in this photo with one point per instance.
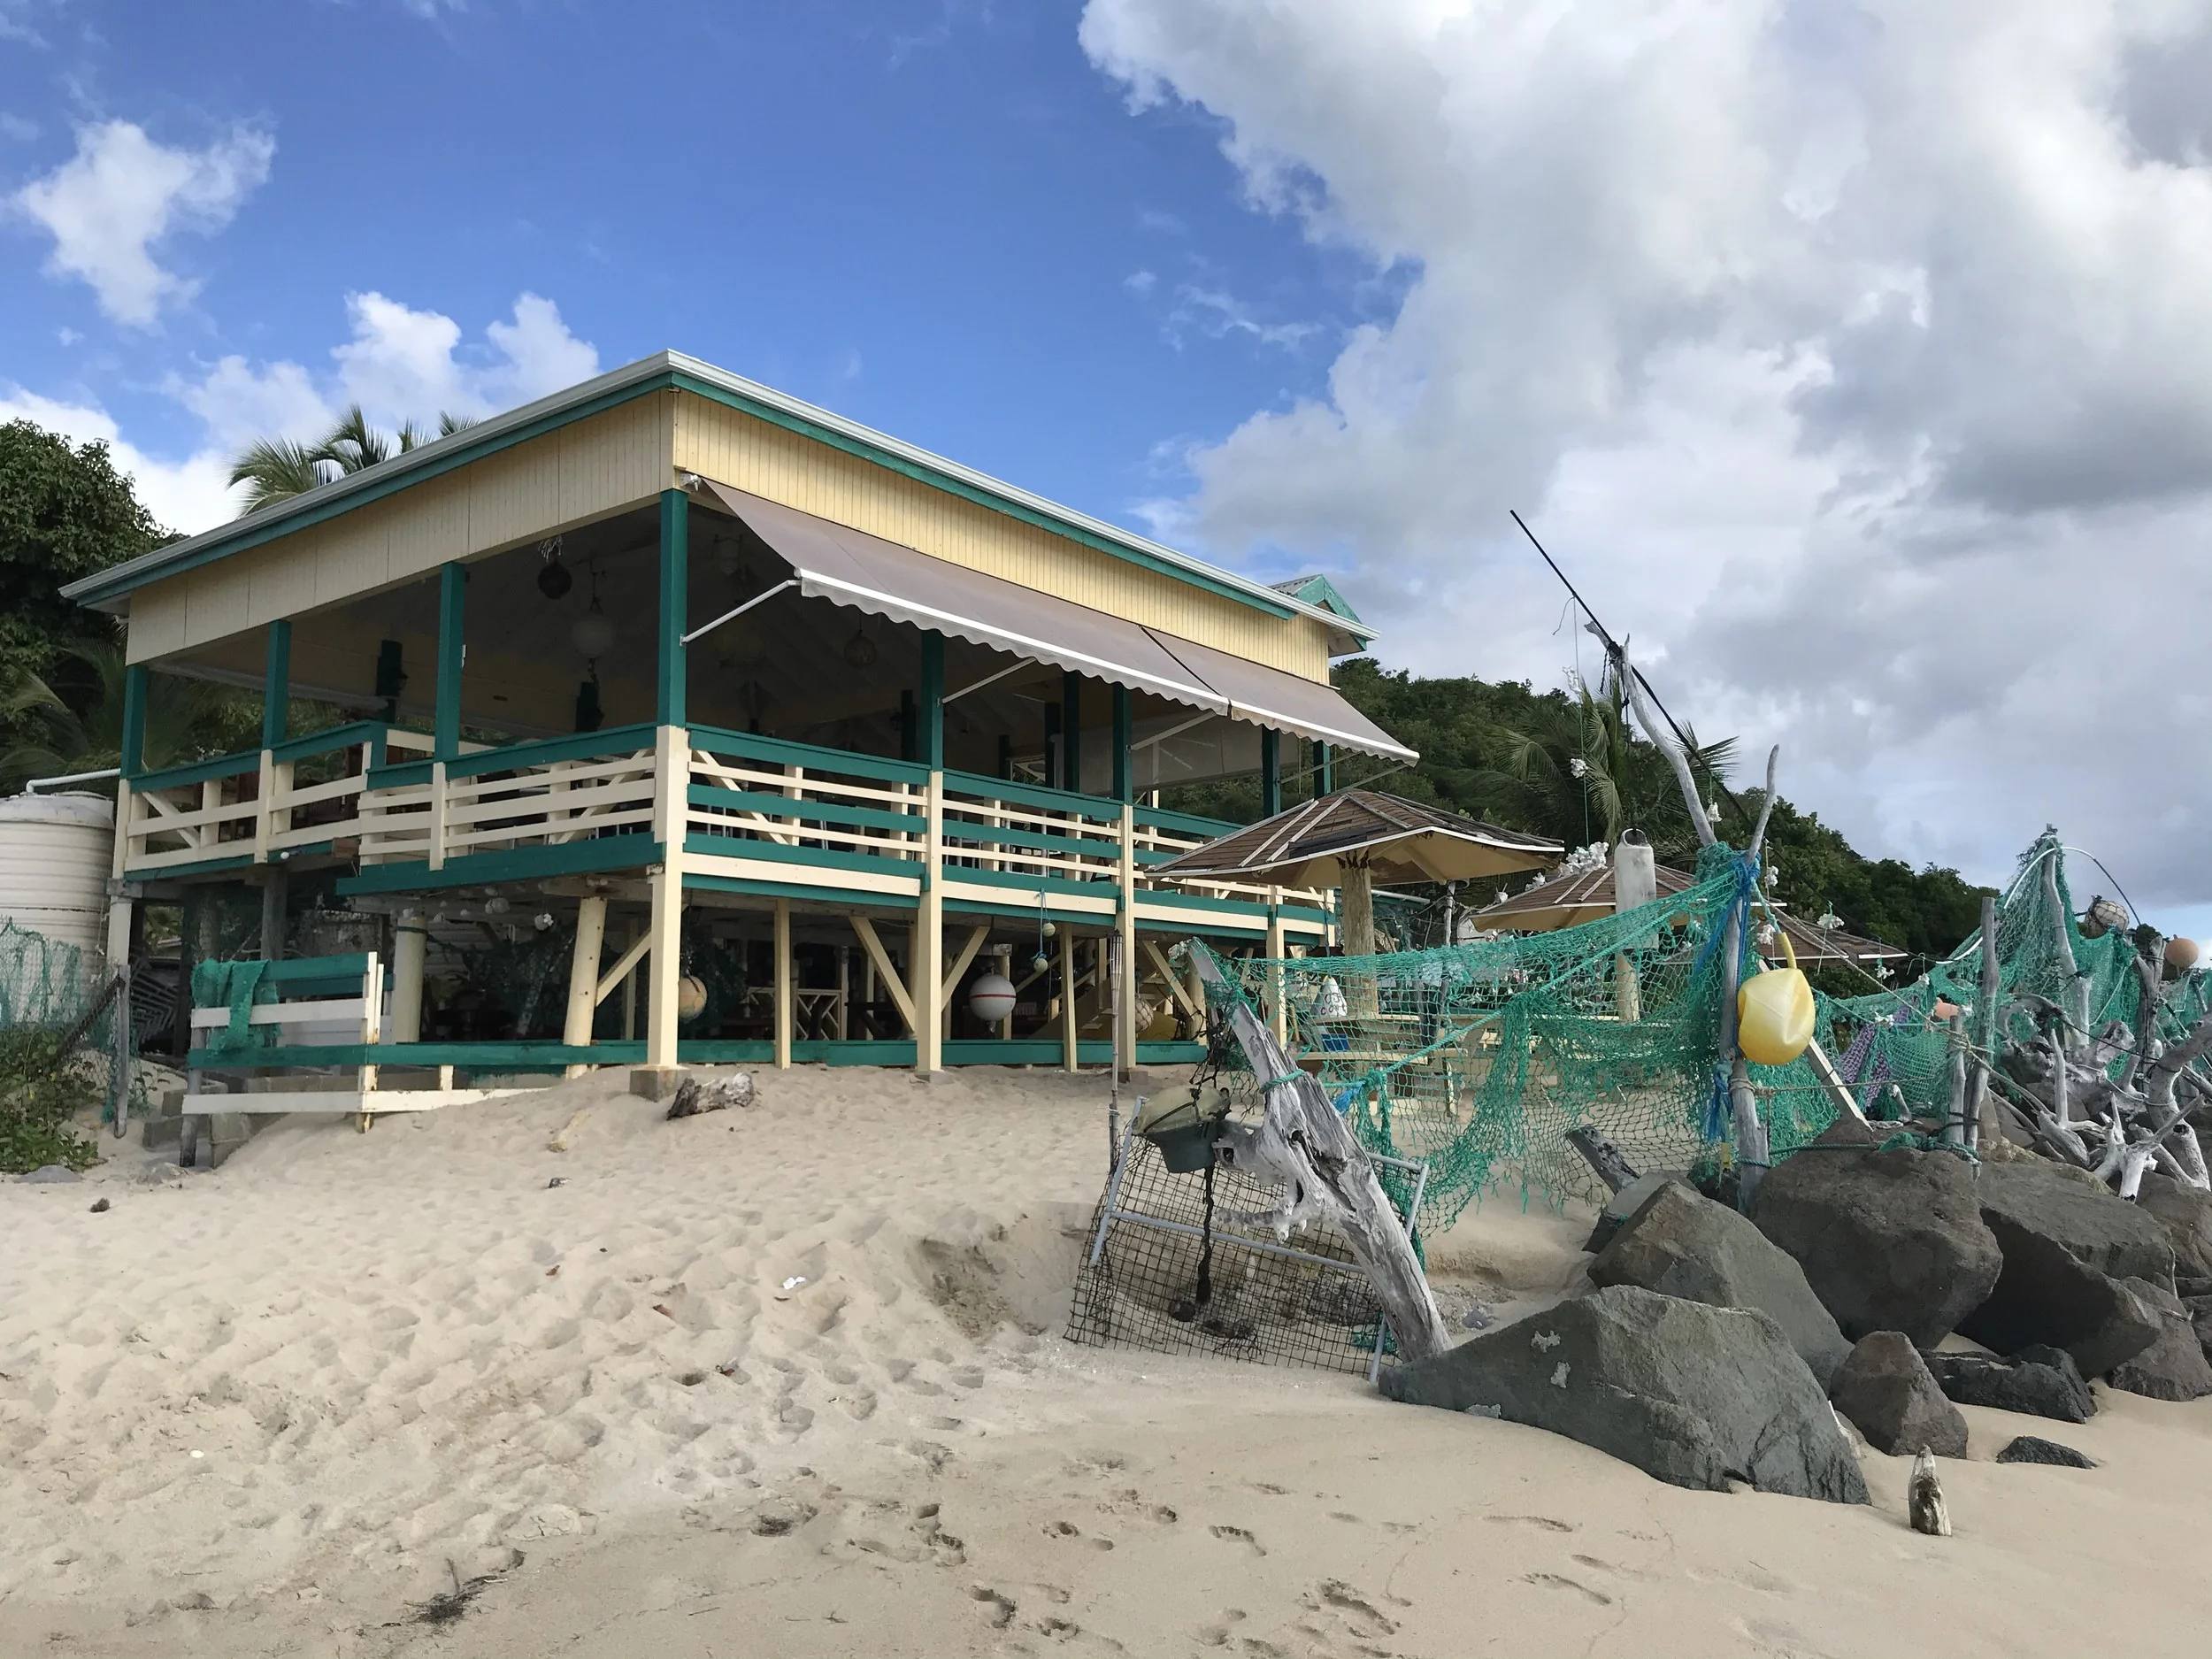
(1069, 1054)
(583, 976)
(783, 984)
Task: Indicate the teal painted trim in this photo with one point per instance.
(1034, 884)
(1203, 902)
(1106, 812)
(711, 1051)
(375, 485)
(1320, 592)
(856, 897)
(132, 757)
(1324, 779)
(522, 864)
(779, 751)
(820, 857)
(335, 737)
(1025, 913)
(1156, 818)
(930, 701)
(198, 772)
(408, 775)
(1171, 1053)
(544, 751)
(276, 685)
(1006, 1051)
(967, 835)
(1270, 772)
(675, 567)
(966, 491)
(201, 867)
(785, 809)
(1124, 733)
(295, 969)
(452, 648)
(1072, 730)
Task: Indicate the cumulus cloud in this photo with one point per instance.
(112, 203)
(401, 366)
(1856, 354)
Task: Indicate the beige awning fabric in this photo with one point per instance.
(1398, 841)
(851, 567)
(1267, 696)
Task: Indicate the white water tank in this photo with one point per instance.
(56, 851)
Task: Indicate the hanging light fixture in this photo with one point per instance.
(593, 632)
(860, 650)
(729, 556)
(554, 579)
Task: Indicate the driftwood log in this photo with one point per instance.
(1326, 1172)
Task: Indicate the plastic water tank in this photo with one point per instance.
(56, 851)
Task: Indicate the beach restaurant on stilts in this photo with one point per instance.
(670, 720)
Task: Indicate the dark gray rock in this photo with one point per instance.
(1885, 1389)
(2045, 1295)
(2173, 1367)
(1889, 1241)
(2041, 1382)
(1681, 1244)
(2081, 1214)
(1624, 1204)
(2185, 1214)
(1693, 1394)
(50, 1175)
(2029, 1449)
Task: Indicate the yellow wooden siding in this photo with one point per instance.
(754, 455)
(600, 465)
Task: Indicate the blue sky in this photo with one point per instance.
(937, 217)
(1855, 355)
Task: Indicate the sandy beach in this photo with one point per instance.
(790, 1381)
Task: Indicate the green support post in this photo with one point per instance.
(276, 685)
(675, 591)
(930, 713)
(1124, 724)
(1270, 774)
(1324, 780)
(1071, 730)
(134, 757)
(452, 651)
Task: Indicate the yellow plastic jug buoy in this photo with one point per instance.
(1774, 1013)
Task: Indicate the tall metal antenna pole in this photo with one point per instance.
(1613, 646)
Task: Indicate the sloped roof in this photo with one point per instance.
(1400, 841)
(1587, 896)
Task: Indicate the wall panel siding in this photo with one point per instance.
(600, 465)
(755, 454)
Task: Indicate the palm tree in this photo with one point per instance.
(277, 469)
(191, 717)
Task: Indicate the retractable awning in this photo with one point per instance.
(851, 567)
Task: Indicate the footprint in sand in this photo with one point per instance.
(997, 1608)
(1238, 1535)
(1554, 1581)
(1545, 1522)
(1217, 1635)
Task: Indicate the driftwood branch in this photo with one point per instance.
(1326, 1171)
(1665, 742)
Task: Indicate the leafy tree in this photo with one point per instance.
(64, 514)
(56, 735)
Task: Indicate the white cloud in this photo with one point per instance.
(188, 495)
(1855, 357)
(111, 204)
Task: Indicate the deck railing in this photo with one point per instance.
(375, 791)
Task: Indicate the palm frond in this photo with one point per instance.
(277, 469)
(449, 423)
(354, 445)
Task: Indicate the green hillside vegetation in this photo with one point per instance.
(1504, 751)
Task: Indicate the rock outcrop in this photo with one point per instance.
(1889, 1241)
(2173, 1367)
(1885, 1389)
(1680, 1243)
(2038, 1381)
(2045, 1294)
(1693, 1394)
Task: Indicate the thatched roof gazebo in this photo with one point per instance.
(1571, 900)
(1357, 838)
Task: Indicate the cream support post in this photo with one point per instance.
(783, 984)
(410, 941)
(583, 977)
(1635, 884)
(671, 785)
